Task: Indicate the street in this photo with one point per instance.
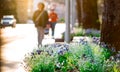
(19, 41)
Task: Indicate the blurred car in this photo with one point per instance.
(8, 20)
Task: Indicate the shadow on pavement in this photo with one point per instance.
(8, 64)
(3, 63)
(6, 40)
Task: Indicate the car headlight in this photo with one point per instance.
(10, 22)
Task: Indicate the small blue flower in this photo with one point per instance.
(60, 52)
(38, 51)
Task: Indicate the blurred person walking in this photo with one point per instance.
(53, 17)
(40, 19)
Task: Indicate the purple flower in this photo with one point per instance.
(32, 53)
(60, 52)
(38, 51)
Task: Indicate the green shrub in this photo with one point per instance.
(40, 63)
(62, 20)
(86, 32)
(82, 57)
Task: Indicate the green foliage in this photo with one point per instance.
(82, 32)
(62, 20)
(87, 57)
(111, 66)
(40, 63)
(89, 32)
(91, 58)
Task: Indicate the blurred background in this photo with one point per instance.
(23, 9)
(92, 18)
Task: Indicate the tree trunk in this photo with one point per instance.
(110, 31)
(90, 15)
(7, 7)
(78, 7)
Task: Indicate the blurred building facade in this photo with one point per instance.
(18, 8)
(21, 10)
(7, 7)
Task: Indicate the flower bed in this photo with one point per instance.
(76, 57)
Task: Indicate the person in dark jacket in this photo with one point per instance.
(40, 19)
